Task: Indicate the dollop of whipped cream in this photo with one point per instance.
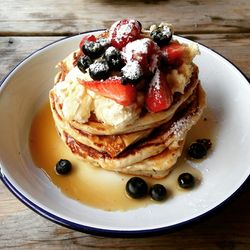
(75, 101)
(78, 102)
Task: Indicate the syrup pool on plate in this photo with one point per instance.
(97, 187)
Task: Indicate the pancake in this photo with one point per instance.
(133, 139)
(140, 154)
(106, 140)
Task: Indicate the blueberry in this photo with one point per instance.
(158, 192)
(63, 167)
(136, 188)
(186, 180)
(206, 142)
(114, 58)
(131, 73)
(83, 63)
(197, 150)
(162, 35)
(93, 49)
(99, 70)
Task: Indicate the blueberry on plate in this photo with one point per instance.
(63, 167)
(83, 63)
(136, 188)
(197, 150)
(158, 192)
(206, 142)
(99, 70)
(186, 180)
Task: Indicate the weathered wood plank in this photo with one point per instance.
(226, 229)
(50, 17)
(235, 47)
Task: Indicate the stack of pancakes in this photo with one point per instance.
(148, 147)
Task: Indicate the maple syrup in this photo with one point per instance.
(97, 187)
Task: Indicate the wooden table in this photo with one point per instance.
(28, 25)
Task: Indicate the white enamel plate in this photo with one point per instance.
(26, 87)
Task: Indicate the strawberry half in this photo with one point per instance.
(159, 96)
(174, 53)
(90, 38)
(113, 89)
(124, 31)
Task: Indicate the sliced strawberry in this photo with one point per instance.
(91, 38)
(174, 53)
(124, 31)
(113, 89)
(144, 51)
(159, 96)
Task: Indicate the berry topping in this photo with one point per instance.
(105, 42)
(112, 88)
(91, 38)
(83, 63)
(159, 96)
(186, 180)
(158, 192)
(136, 188)
(131, 72)
(173, 53)
(144, 51)
(92, 49)
(162, 35)
(63, 167)
(99, 70)
(124, 31)
(114, 58)
(197, 150)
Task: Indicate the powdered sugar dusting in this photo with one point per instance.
(97, 67)
(155, 82)
(132, 70)
(140, 46)
(180, 127)
(110, 50)
(124, 31)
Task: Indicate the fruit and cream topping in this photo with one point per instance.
(124, 71)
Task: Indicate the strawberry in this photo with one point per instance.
(113, 89)
(174, 53)
(90, 38)
(158, 96)
(145, 52)
(124, 31)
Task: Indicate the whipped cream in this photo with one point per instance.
(112, 113)
(78, 102)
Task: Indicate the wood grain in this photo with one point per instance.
(235, 47)
(50, 17)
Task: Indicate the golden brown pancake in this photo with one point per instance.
(162, 144)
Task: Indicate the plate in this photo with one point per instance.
(26, 87)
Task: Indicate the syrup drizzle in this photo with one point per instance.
(97, 187)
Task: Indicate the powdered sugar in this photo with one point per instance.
(139, 47)
(98, 67)
(110, 50)
(124, 31)
(132, 70)
(155, 82)
(180, 127)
